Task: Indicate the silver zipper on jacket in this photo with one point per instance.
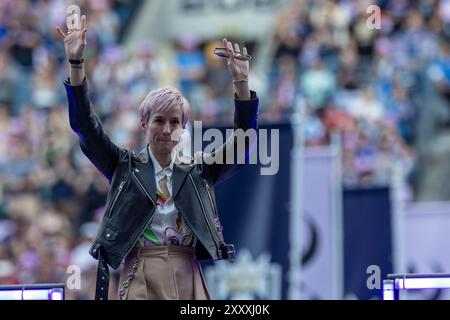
(116, 196)
(203, 211)
(146, 223)
(210, 198)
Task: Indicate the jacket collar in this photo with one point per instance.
(159, 171)
(146, 173)
(144, 170)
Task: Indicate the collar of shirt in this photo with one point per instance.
(159, 171)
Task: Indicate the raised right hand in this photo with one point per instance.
(75, 40)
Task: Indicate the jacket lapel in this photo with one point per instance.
(145, 172)
(180, 172)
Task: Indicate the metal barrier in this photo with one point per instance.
(52, 291)
(396, 282)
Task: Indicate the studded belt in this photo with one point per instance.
(102, 286)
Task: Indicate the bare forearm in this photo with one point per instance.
(242, 90)
(76, 74)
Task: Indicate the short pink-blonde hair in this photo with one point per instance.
(164, 99)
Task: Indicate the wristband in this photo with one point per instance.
(240, 80)
(71, 61)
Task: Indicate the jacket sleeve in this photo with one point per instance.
(225, 161)
(94, 142)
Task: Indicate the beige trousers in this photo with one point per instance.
(164, 273)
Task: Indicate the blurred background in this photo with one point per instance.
(363, 116)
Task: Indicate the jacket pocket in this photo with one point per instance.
(109, 234)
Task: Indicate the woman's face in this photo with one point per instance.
(163, 130)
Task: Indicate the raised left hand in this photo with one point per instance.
(239, 68)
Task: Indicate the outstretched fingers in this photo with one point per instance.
(236, 48)
(83, 22)
(61, 33)
(82, 28)
(83, 35)
(229, 45)
(225, 42)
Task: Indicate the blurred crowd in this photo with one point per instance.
(364, 83)
(349, 77)
(378, 87)
(51, 198)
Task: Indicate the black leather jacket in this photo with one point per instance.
(132, 197)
